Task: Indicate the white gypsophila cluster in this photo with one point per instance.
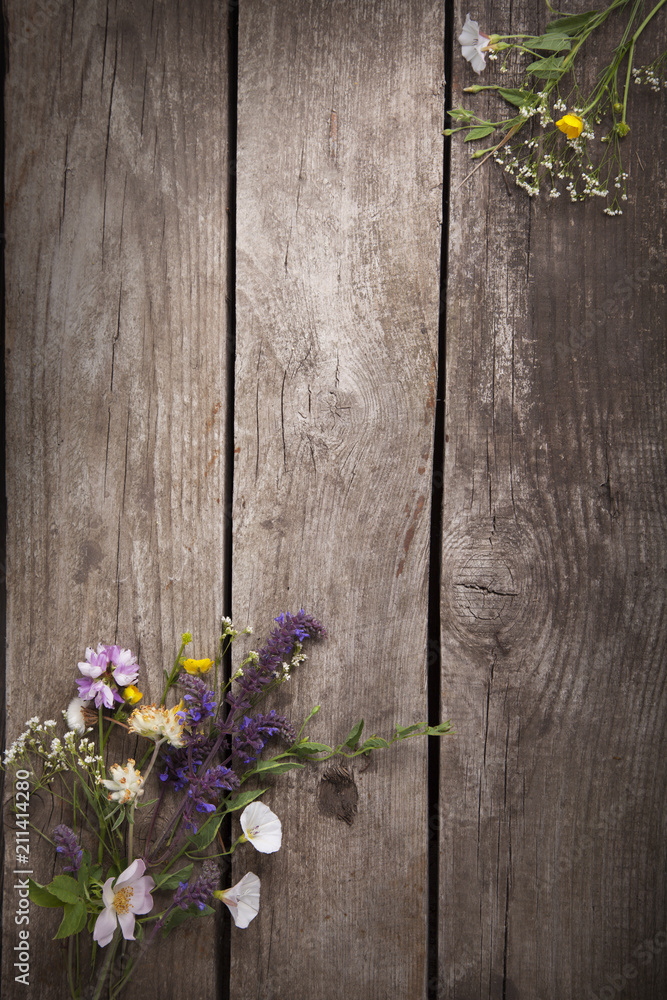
(648, 76)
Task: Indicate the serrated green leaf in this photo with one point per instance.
(40, 895)
(242, 799)
(65, 888)
(74, 919)
(172, 880)
(354, 735)
(479, 132)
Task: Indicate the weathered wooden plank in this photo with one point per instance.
(553, 594)
(339, 203)
(116, 368)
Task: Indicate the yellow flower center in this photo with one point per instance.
(122, 900)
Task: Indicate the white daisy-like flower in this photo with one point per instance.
(242, 900)
(472, 42)
(261, 828)
(158, 723)
(125, 784)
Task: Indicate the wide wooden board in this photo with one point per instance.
(339, 204)
(116, 353)
(553, 625)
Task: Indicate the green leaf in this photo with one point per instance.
(480, 132)
(74, 919)
(354, 735)
(272, 767)
(375, 743)
(442, 729)
(172, 880)
(242, 799)
(65, 888)
(308, 747)
(41, 896)
(572, 23)
(207, 833)
(517, 97)
(404, 731)
(180, 916)
(544, 69)
(551, 42)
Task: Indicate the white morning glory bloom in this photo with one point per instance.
(242, 900)
(261, 827)
(472, 41)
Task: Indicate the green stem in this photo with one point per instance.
(631, 53)
(171, 679)
(111, 954)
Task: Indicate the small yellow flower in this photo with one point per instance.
(571, 125)
(197, 666)
(132, 694)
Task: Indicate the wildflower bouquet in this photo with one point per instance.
(566, 147)
(206, 751)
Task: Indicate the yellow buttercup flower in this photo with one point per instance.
(132, 694)
(571, 125)
(197, 666)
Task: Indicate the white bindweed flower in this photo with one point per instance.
(472, 42)
(261, 828)
(125, 783)
(130, 894)
(242, 900)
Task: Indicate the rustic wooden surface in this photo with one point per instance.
(553, 591)
(552, 794)
(116, 222)
(338, 233)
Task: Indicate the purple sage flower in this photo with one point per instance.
(200, 892)
(67, 845)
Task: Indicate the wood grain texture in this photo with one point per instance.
(553, 624)
(116, 184)
(339, 204)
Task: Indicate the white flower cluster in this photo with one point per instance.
(648, 76)
(56, 754)
(297, 658)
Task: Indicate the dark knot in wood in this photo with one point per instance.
(337, 794)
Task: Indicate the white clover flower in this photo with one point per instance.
(242, 900)
(472, 42)
(125, 783)
(261, 828)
